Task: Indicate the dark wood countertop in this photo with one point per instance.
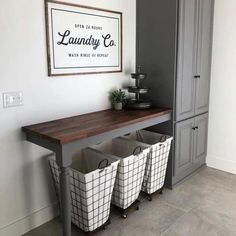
(83, 126)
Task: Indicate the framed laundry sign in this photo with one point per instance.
(82, 39)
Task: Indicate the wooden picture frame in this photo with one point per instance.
(82, 39)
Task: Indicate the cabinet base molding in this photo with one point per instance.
(185, 175)
(221, 164)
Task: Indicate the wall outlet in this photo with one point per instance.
(12, 99)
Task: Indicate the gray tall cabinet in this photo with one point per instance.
(174, 41)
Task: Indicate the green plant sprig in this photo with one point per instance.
(118, 96)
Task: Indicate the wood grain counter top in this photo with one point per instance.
(71, 129)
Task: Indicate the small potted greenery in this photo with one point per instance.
(118, 98)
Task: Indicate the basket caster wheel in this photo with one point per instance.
(161, 192)
(124, 216)
(137, 208)
(149, 198)
(104, 228)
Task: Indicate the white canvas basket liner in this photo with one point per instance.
(91, 188)
(130, 169)
(157, 160)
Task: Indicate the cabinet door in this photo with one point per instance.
(205, 9)
(200, 139)
(186, 68)
(184, 145)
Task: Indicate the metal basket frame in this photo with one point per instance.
(130, 170)
(129, 179)
(90, 195)
(156, 166)
(157, 160)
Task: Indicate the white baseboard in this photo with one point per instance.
(30, 222)
(221, 164)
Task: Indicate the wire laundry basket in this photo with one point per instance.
(155, 170)
(130, 173)
(91, 187)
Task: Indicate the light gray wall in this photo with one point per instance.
(222, 126)
(26, 194)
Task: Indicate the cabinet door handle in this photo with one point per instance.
(197, 76)
(194, 128)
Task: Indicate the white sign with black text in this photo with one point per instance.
(82, 39)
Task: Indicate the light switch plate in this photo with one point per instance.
(12, 99)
